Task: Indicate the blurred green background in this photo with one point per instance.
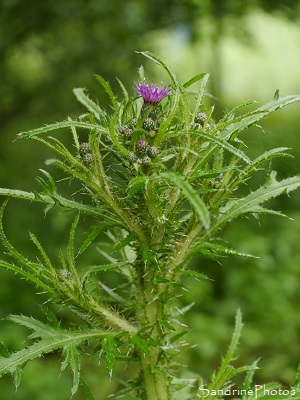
(251, 49)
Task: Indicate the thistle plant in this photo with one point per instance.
(159, 176)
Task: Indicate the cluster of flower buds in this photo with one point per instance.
(149, 125)
(152, 96)
(85, 153)
(143, 153)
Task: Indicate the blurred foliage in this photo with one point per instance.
(47, 48)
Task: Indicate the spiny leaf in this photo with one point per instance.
(251, 203)
(235, 338)
(93, 233)
(137, 184)
(268, 155)
(48, 183)
(124, 242)
(108, 90)
(125, 93)
(61, 125)
(39, 328)
(222, 143)
(86, 389)
(119, 299)
(256, 115)
(109, 346)
(195, 274)
(191, 195)
(75, 135)
(147, 254)
(17, 375)
(47, 345)
(248, 381)
(141, 344)
(195, 79)
(51, 317)
(201, 91)
(54, 199)
(158, 61)
(84, 99)
(101, 268)
(46, 259)
(72, 359)
(217, 250)
(28, 276)
(226, 371)
(4, 352)
(70, 249)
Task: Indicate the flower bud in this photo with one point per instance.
(153, 151)
(85, 148)
(144, 160)
(88, 159)
(132, 157)
(196, 125)
(126, 131)
(148, 124)
(200, 118)
(142, 147)
(132, 123)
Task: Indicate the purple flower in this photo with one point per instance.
(152, 94)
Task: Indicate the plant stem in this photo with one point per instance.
(156, 385)
(155, 366)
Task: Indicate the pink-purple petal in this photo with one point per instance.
(152, 94)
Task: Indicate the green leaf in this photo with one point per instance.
(227, 371)
(46, 259)
(61, 125)
(88, 103)
(75, 136)
(87, 390)
(195, 79)
(4, 352)
(248, 381)
(70, 249)
(191, 195)
(235, 338)
(158, 61)
(72, 359)
(111, 292)
(251, 203)
(108, 90)
(109, 346)
(49, 344)
(124, 242)
(216, 250)
(55, 199)
(147, 254)
(195, 274)
(17, 375)
(251, 118)
(125, 93)
(137, 184)
(101, 268)
(39, 328)
(201, 91)
(138, 341)
(270, 154)
(222, 143)
(276, 94)
(93, 233)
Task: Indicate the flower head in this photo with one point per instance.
(152, 94)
